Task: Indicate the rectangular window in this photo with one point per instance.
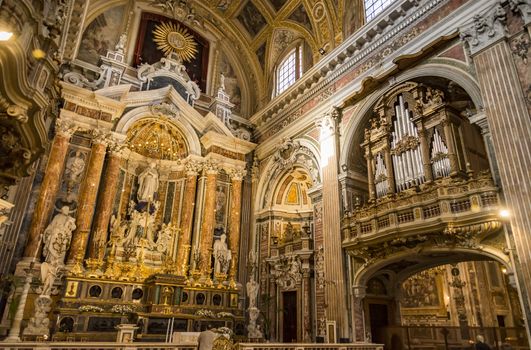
(287, 72)
(374, 7)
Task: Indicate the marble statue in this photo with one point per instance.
(74, 169)
(253, 330)
(252, 291)
(56, 238)
(148, 184)
(222, 81)
(164, 239)
(222, 255)
(120, 46)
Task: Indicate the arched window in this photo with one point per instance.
(374, 7)
(289, 70)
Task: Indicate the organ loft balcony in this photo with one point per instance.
(429, 184)
(453, 211)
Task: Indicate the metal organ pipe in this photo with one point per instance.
(408, 164)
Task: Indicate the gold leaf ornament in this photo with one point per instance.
(171, 37)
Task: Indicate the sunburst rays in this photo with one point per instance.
(170, 37)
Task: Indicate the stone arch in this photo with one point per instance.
(446, 255)
(130, 118)
(456, 74)
(275, 167)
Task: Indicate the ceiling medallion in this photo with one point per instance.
(170, 37)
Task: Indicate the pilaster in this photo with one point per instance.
(333, 255)
(508, 120)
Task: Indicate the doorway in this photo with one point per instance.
(379, 317)
(289, 321)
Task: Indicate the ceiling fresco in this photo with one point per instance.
(244, 30)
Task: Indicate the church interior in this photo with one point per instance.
(349, 172)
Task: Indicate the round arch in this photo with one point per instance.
(188, 132)
(444, 255)
(270, 173)
(458, 75)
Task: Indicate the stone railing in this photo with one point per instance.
(306, 346)
(160, 346)
(443, 206)
(94, 346)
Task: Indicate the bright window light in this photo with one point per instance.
(374, 7)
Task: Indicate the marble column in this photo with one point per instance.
(50, 185)
(104, 212)
(235, 216)
(87, 200)
(333, 253)
(358, 317)
(207, 225)
(510, 128)
(183, 250)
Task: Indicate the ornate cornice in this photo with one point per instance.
(319, 79)
(486, 29)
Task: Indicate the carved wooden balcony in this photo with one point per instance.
(449, 211)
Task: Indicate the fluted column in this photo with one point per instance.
(235, 216)
(87, 200)
(425, 153)
(333, 254)
(207, 225)
(508, 118)
(103, 214)
(50, 185)
(183, 250)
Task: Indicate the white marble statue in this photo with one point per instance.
(164, 238)
(222, 255)
(252, 291)
(74, 169)
(56, 238)
(222, 81)
(148, 184)
(120, 46)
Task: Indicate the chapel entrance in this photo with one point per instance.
(289, 321)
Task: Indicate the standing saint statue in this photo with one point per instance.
(56, 238)
(252, 291)
(148, 184)
(222, 255)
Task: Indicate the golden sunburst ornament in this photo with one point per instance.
(170, 37)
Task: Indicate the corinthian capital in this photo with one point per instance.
(523, 7)
(65, 128)
(103, 137)
(486, 29)
(210, 167)
(192, 167)
(237, 174)
(329, 122)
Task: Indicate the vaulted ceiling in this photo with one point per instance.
(252, 33)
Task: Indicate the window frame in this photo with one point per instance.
(295, 54)
(372, 8)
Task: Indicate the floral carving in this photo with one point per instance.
(486, 28)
